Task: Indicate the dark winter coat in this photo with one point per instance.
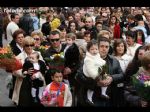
(115, 89)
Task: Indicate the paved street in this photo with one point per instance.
(4, 100)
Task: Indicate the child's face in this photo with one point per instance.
(93, 50)
(33, 58)
(58, 77)
(69, 41)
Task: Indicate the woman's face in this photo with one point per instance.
(141, 53)
(37, 40)
(63, 34)
(113, 20)
(72, 27)
(99, 27)
(19, 39)
(28, 48)
(120, 49)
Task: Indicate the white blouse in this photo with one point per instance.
(124, 61)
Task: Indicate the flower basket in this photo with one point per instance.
(8, 60)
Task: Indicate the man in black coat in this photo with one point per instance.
(46, 27)
(26, 23)
(114, 82)
(55, 48)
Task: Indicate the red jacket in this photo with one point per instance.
(117, 31)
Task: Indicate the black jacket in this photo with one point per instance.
(72, 57)
(92, 31)
(115, 88)
(14, 48)
(72, 61)
(46, 28)
(26, 23)
(49, 52)
(36, 82)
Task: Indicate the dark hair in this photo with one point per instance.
(79, 35)
(130, 16)
(131, 34)
(98, 23)
(54, 32)
(62, 27)
(17, 32)
(69, 24)
(134, 65)
(90, 44)
(13, 15)
(87, 32)
(116, 43)
(138, 17)
(143, 36)
(54, 71)
(102, 39)
(145, 61)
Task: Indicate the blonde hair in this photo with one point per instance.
(28, 40)
(38, 33)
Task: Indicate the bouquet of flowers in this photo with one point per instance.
(102, 72)
(55, 24)
(8, 60)
(56, 61)
(141, 83)
(42, 49)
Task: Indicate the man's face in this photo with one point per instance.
(88, 22)
(16, 19)
(55, 40)
(103, 48)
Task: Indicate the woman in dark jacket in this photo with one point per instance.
(133, 67)
(17, 47)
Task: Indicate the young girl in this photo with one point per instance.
(57, 93)
(37, 78)
(92, 62)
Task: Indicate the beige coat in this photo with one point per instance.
(19, 77)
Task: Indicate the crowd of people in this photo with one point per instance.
(89, 39)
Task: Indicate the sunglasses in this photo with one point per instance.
(52, 40)
(37, 39)
(29, 45)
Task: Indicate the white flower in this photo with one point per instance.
(52, 57)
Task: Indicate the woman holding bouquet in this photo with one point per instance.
(138, 94)
(22, 90)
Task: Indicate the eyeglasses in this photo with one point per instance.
(37, 39)
(31, 45)
(52, 40)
